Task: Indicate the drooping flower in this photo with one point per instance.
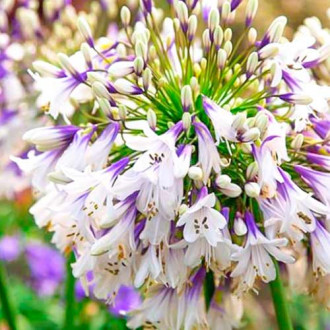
(254, 259)
(320, 243)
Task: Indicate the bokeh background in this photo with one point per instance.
(35, 276)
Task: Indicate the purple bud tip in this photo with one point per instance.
(249, 219)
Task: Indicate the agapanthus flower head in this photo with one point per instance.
(187, 149)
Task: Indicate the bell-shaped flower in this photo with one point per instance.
(318, 181)
(320, 243)
(97, 154)
(292, 212)
(202, 220)
(157, 174)
(49, 138)
(222, 120)
(268, 172)
(254, 259)
(208, 155)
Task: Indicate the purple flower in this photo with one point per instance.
(47, 268)
(127, 300)
(9, 248)
(322, 127)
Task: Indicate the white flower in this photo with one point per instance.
(318, 181)
(292, 212)
(97, 154)
(227, 314)
(218, 257)
(168, 309)
(208, 155)
(222, 120)
(320, 242)
(48, 138)
(202, 220)
(157, 174)
(254, 259)
(39, 165)
(268, 172)
(150, 264)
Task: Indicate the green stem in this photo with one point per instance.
(209, 288)
(7, 306)
(69, 294)
(280, 302)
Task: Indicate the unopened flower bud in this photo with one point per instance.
(186, 121)
(85, 49)
(85, 30)
(100, 90)
(203, 63)
(218, 37)
(297, 142)
(194, 84)
(222, 181)
(232, 190)
(251, 135)
(239, 121)
(125, 87)
(252, 189)
(138, 65)
(302, 99)
(228, 34)
(146, 78)
(197, 69)
(252, 170)
(206, 40)
(214, 19)
(251, 64)
(275, 31)
(182, 12)
(186, 97)
(221, 58)
(125, 15)
(95, 76)
(46, 69)
(176, 24)
(251, 10)
(228, 47)
(240, 228)
(252, 36)
(141, 50)
(225, 11)
(192, 27)
(105, 106)
(152, 119)
(195, 173)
